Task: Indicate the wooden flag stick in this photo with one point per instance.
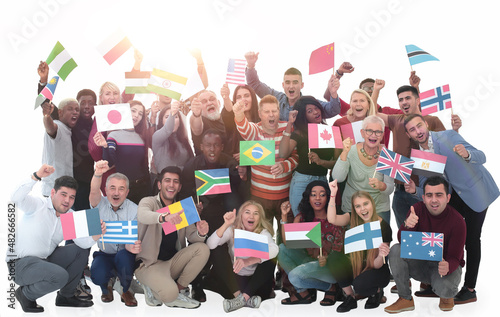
(102, 241)
(309, 152)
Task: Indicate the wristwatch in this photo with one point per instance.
(282, 222)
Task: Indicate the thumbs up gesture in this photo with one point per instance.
(412, 219)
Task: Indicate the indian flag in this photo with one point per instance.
(167, 84)
(136, 82)
(79, 224)
(303, 235)
(60, 61)
(428, 164)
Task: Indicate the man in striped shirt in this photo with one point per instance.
(270, 184)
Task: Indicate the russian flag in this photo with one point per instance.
(322, 136)
(188, 213)
(353, 131)
(79, 224)
(428, 164)
(114, 46)
(249, 244)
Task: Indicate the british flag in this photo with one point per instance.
(435, 100)
(432, 239)
(236, 72)
(395, 165)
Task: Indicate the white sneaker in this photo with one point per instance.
(185, 291)
(234, 303)
(253, 302)
(183, 301)
(135, 287)
(150, 298)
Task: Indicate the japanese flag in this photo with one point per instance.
(113, 117)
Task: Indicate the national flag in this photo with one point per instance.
(136, 82)
(324, 136)
(250, 244)
(188, 213)
(60, 61)
(321, 59)
(303, 235)
(422, 245)
(120, 232)
(394, 165)
(47, 91)
(236, 72)
(363, 237)
(352, 130)
(113, 117)
(435, 100)
(428, 164)
(257, 152)
(114, 46)
(416, 55)
(212, 182)
(193, 86)
(79, 224)
(166, 84)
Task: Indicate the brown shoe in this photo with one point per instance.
(400, 305)
(129, 299)
(446, 304)
(107, 298)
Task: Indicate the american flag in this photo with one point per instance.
(236, 72)
(395, 165)
(120, 232)
(435, 100)
(422, 245)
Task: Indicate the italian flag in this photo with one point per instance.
(114, 46)
(60, 61)
(303, 235)
(167, 84)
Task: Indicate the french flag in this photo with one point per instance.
(353, 131)
(435, 100)
(79, 224)
(250, 244)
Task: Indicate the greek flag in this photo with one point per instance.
(120, 232)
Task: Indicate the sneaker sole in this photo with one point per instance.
(399, 310)
(471, 300)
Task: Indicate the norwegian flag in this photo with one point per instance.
(435, 100)
(432, 239)
(395, 165)
(236, 72)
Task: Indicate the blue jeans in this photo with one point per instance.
(423, 271)
(401, 203)
(303, 271)
(298, 186)
(106, 266)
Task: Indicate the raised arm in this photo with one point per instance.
(287, 144)
(48, 122)
(196, 122)
(95, 196)
(331, 216)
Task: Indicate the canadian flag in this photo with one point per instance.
(324, 136)
(113, 117)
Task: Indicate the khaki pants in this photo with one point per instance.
(183, 267)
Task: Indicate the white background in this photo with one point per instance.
(370, 34)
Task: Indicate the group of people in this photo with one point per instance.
(133, 174)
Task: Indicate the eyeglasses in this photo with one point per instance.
(370, 132)
(367, 88)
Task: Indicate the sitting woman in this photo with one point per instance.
(357, 163)
(369, 272)
(127, 151)
(243, 281)
(306, 267)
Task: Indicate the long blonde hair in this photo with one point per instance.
(372, 110)
(358, 257)
(263, 222)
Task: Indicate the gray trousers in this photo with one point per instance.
(423, 271)
(61, 270)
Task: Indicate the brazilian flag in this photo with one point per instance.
(260, 152)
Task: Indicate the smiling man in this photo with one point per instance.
(41, 264)
(434, 214)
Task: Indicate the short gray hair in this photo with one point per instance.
(375, 120)
(119, 176)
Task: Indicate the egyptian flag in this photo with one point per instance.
(79, 224)
(303, 235)
(428, 164)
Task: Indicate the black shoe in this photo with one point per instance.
(198, 294)
(373, 301)
(29, 306)
(465, 296)
(72, 301)
(348, 304)
(426, 292)
(278, 281)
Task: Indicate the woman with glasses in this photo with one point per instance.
(357, 163)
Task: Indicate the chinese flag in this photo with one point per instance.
(321, 59)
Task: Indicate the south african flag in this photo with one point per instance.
(211, 182)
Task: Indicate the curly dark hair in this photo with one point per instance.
(305, 207)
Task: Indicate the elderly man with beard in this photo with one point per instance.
(41, 264)
(112, 258)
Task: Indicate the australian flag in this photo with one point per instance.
(395, 165)
(422, 245)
